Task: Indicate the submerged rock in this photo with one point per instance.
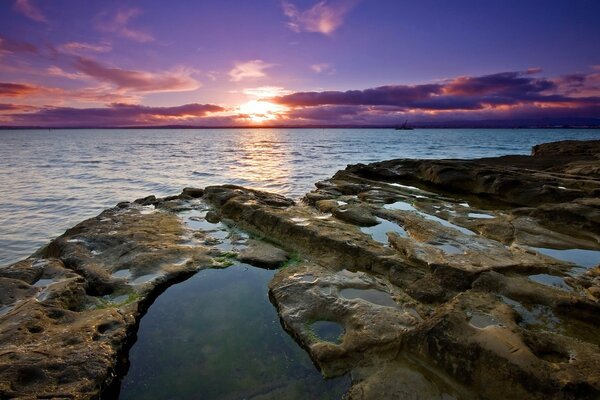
(421, 278)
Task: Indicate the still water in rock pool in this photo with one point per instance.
(217, 336)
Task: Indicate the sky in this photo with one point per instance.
(297, 62)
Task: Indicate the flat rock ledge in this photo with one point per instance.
(426, 279)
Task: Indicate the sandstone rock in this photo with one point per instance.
(262, 254)
(433, 278)
(67, 313)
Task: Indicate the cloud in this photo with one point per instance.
(4, 107)
(14, 46)
(81, 47)
(54, 70)
(177, 80)
(503, 95)
(462, 93)
(324, 17)
(118, 24)
(36, 94)
(578, 84)
(502, 84)
(266, 91)
(17, 89)
(399, 95)
(30, 10)
(323, 68)
(115, 115)
(506, 96)
(249, 70)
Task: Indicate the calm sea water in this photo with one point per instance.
(51, 180)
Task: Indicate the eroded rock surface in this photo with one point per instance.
(444, 278)
(68, 312)
(421, 278)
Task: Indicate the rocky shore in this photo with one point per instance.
(420, 278)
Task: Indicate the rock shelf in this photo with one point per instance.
(463, 278)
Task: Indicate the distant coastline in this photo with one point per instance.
(416, 126)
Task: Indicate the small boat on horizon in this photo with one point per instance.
(404, 127)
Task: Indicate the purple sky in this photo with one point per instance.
(296, 62)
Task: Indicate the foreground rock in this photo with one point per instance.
(67, 313)
(452, 291)
(423, 279)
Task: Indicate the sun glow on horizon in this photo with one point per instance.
(259, 110)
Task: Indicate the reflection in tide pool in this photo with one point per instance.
(371, 295)
(217, 336)
(447, 224)
(584, 258)
(379, 232)
(551, 280)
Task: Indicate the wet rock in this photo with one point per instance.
(262, 254)
(356, 215)
(146, 201)
(212, 217)
(66, 313)
(192, 192)
(432, 278)
(464, 301)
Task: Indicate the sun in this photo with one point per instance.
(260, 110)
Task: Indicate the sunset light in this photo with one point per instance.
(260, 110)
(299, 199)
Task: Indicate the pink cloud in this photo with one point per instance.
(14, 46)
(177, 80)
(323, 68)
(54, 70)
(504, 97)
(17, 89)
(249, 70)
(4, 107)
(36, 94)
(119, 24)
(266, 91)
(81, 47)
(578, 85)
(496, 96)
(115, 115)
(30, 10)
(324, 17)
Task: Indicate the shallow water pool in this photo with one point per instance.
(217, 336)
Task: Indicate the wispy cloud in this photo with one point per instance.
(17, 89)
(82, 47)
(118, 23)
(249, 70)
(15, 46)
(266, 91)
(54, 70)
(7, 107)
(115, 115)
(324, 17)
(323, 68)
(177, 80)
(30, 10)
(38, 94)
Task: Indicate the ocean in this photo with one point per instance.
(52, 179)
